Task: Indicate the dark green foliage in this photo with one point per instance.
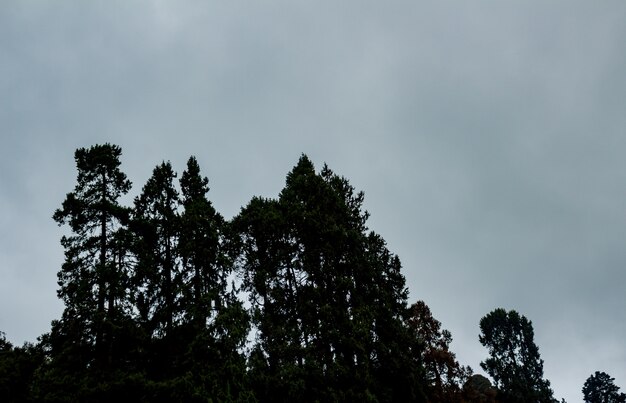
(157, 278)
(91, 338)
(514, 362)
(214, 323)
(327, 297)
(195, 327)
(17, 370)
(599, 388)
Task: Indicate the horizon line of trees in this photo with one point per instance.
(294, 299)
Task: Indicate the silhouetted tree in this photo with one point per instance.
(444, 376)
(599, 388)
(158, 281)
(328, 298)
(205, 265)
(17, 369)
(195, 327)
(214, 323)
(514, 362)
(156, 220)
(93, 282)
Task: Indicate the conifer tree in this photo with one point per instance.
(90, 279)
(215, 324)
(92, 333)
(514, 363)
(157, 275)
(205, 264)
(328, 298)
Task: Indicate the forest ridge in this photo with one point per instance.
(294, 299)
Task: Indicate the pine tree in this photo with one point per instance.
(90, 279)
(205, 264)
(157, 275)
(215, 324)
(328, 298)
(92, 333)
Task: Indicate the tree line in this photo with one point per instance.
(293, 299)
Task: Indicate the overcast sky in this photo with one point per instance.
(489, 138)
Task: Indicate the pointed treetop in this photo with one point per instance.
(162, 173)
(303, 167)
(192, 184)
(159, 194)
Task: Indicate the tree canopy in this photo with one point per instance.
(293, 299)
(599, 388)
(514, 363)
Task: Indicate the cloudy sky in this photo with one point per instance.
(489, 138)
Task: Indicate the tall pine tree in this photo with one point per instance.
(157, 275)
(156, 224)
(328, 298)
(93, 281)
(215, 323)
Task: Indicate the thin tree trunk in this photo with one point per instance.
(168, 287)
(101, 274)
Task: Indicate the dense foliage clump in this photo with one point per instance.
(599, 388)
